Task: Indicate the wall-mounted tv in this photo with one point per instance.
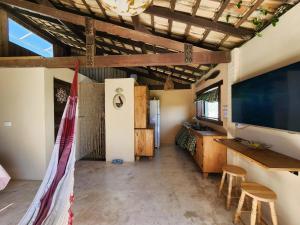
(269, 100)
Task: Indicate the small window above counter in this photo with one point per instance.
(208, 103)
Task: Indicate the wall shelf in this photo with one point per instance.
(266, 158)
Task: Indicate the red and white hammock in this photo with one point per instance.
(52, 203)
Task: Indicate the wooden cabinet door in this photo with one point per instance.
(215, 155)
(140, 106)
(144, 142)
(199, 150)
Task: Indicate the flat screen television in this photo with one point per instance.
(269, 100)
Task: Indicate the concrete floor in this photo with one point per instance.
(168, 190)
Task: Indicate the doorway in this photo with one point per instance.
(91, 121)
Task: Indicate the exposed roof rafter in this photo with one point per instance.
(100, 25)
(200, 22)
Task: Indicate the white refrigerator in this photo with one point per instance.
(155, 121)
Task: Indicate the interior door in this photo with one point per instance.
(91, 121)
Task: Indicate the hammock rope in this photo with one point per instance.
(52, 203)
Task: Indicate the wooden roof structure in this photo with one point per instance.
(207, 25)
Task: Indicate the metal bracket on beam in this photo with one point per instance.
(90, 42)
(188, 53)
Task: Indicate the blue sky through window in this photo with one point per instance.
(27, 39)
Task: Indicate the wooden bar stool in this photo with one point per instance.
(259, 194)
(232, 171)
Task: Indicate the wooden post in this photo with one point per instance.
(90, 42)
(3, 33)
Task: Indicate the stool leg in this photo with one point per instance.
(253, 212)
(239, 208)
(222, 183)
(273, 213)
(229, 192)
(259, 213)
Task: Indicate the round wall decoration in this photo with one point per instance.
(126, 7)
(61, 95)
(119, 99)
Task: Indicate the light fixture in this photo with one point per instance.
(126, 7)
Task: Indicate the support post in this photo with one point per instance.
(90, 42)
(3, 33)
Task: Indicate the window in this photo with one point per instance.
(26, 39)
(208, 103)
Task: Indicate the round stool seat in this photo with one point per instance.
(234, 170)
(258, 191)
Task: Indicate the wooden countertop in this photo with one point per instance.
(207, 132)
(264, 157)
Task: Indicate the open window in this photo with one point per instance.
(208, 103)
(23, 37)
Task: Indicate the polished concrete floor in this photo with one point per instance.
(168, 190)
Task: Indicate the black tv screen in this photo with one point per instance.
(269, 100)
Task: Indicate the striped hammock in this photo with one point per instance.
(52, 202)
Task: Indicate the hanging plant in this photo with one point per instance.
(258, 34)
(274, 20)
(227, 18)
(263, 11)
(239, 4)
(258, 23)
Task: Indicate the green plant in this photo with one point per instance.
(227, 18)
(258, 23)
(258, 34)
(239, 4)
(263, 11)
(274, 20)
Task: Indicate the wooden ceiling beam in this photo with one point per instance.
(216, 17)
(102, 10)
(200, 22)
(162, 87)
(138, 25)
(194, 11)
(200, 45)
(121, 60)
(102, 26)
(87, 7)
(128, 51)
(221, 10)
(170, 20)
(140, 73)
(77, 30)
(147, 46)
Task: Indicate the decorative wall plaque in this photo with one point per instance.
(188, 53)
(119, 99)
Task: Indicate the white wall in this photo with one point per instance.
(22, 146)
(119, 123)
(278, 46)
(176, 106)
(26, 99)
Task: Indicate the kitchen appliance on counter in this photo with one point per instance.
(154, 120)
